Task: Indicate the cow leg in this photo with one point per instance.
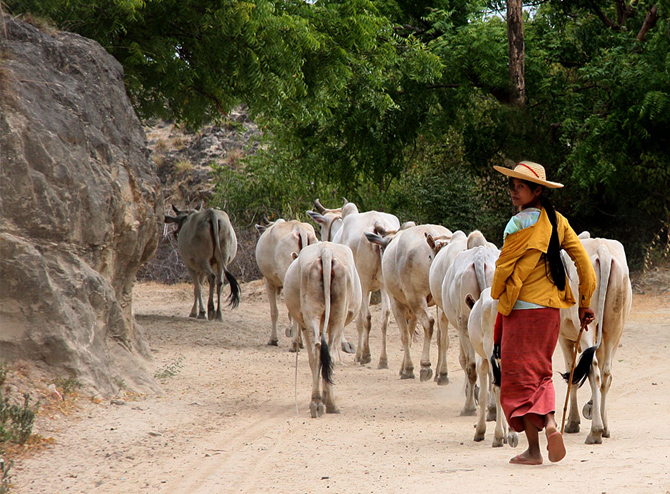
(428, 324)
(441, 372)
(316, 408)
(386, 312)
(219, 286)
(328, 392)
(363, 355)
(467, 361)
(273, 292)
(211, 278)
(573, 420)
(295, 334)
(406, 333)
(483, 373)
(491, 410)
(609, 344)
(508, 435)
(198, 309)
(596, 433)
(604, 390)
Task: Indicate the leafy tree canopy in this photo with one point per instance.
(369, 96)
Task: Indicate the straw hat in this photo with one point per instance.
(527, 170)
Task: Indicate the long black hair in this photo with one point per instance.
(553, 260)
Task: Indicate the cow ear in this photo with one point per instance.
(294, 255)
(584, 235)
(407, 224)
(430, 241)
(470, 301)
(317, 217)
(170, 219)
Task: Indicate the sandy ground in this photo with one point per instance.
(233, 419)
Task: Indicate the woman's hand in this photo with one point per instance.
(586, 316)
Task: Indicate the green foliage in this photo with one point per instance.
(16, 421)
(171, 369)
(5, 466)
(68, 386)
(354, 96)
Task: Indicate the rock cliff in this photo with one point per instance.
(80, 207)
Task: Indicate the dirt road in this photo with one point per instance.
(233, 420)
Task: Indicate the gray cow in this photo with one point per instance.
(207, 244)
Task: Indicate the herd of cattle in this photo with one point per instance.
(328, 283)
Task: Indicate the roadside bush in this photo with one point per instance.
(16, 421)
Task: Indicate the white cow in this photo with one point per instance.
(611, 303)
(368, 260)
(405, 267)
(470, 273)
(207, 244)
(274, 254)
(480, 331)
(323, 294)
(444, 252)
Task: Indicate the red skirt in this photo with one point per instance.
(529, 338)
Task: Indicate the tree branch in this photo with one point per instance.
(440, 86)
(411, 28)
(649, 22)
(601, 15)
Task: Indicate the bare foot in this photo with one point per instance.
(526, 459)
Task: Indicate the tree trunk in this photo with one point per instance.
(649, 22)
(516, 52)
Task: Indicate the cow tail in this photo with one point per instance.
(234, 297)
(326, 360)
(215, 232)
(586, 359)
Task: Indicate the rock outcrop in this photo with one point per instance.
(80, 207)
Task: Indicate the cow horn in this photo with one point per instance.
(175, 209)
(319, 207)
(345, 201)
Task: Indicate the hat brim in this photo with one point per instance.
(514, 174)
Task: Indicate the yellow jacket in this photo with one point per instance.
(521, 272)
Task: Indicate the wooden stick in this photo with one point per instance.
(572, 371)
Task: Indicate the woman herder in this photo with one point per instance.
(530, 286)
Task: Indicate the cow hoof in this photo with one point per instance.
(572, 427)
(316, 409)
(202, 315)
(407, 374)
(293, 349)
(513, 439)
(468, 412)
(273, 343)
(426, 374)
(365, 359)
(479, 436)
(332, 409)
(498, 442)
(442, 379)
(606, 432)
(587, 411)
(383, 364)
(491, 415)
(594, 439)
(348, 347)
(288, 332)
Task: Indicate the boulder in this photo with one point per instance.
(80, 211)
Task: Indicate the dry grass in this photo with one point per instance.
(183, 166)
